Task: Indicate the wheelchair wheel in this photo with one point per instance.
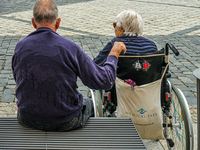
(179, 130)
(96, 98)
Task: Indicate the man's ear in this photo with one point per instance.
(33, 23)
(58, 23)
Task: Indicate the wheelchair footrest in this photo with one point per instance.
(170, 142)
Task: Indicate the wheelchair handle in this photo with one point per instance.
(172, 47)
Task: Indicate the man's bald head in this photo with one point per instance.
(45, 12)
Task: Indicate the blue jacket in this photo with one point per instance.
(45, 67)
(133, 44)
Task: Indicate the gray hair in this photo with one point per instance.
(131, 21)
(45, 12)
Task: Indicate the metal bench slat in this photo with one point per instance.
(98, 133)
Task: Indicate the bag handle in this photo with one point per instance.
(164, 71)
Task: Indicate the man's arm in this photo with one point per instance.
(97, 77)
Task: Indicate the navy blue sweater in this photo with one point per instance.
(133, 44)
(45, 68)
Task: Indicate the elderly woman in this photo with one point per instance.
(128, 29)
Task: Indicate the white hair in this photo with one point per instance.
(131, 21)
(45, 12)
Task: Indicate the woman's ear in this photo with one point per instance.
(122, 28)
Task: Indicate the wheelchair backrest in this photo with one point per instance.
(141, 68)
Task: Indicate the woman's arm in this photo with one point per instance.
(103, 54)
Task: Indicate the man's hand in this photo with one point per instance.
(117, 48)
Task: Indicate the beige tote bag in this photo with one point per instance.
(143, 106)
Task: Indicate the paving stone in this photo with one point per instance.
(82, 88)
(192, 77)
(190, 85)
(183, 87)
(192, 68)
(84, 93)
(2, 114)
(191, 100)
(3, 76)
(184, 69)
(175, 81)
(1, 89)
(178, 74)
(172, 75)
(11, 77)
(10, 113)
(3, 84)
(11, 82)
(193, 89)
(7, 98)
(188, 93)
(188, 73)
(9, 91)
(5, 72)
(4, 104)
(185, 79)
(3, 80)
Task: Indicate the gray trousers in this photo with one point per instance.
(77, 122)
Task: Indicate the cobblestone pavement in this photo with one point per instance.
(89, 24)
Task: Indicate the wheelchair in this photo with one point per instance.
(144, 69)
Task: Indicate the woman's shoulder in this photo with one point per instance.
(134, 40)
(122, 38)
(130, 38)
(144, 39)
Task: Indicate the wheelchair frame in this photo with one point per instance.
(177, 123)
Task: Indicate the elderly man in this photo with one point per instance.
(46, 66)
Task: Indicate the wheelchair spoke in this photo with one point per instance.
(179, 129)
(177, 133)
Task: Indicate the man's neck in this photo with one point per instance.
(47, 26)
